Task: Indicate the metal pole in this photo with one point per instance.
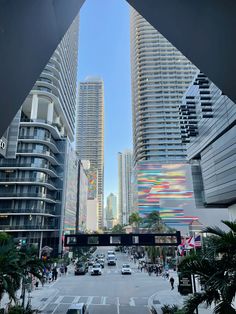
(195, 290)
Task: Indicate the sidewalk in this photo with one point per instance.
(38, 297)
(166, 296)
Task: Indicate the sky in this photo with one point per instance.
(104, 50)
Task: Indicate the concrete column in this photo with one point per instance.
(50, 113)
(34, 107)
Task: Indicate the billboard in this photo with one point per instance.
(166, 188)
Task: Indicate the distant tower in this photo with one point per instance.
(124, 185)
(160, 76)
(111, 210)
(90, 131)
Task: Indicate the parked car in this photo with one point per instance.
(78, 308)
(96, 269)
(126, 269)
(81, 268)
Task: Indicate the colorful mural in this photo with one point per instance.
(166, 188)
(92, 175)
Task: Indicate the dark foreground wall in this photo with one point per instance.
(30, 31)
(203, 30)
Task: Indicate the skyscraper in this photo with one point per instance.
(111, 207)
(90, 131)
(125, 166)
(32, 188)
(160, 76)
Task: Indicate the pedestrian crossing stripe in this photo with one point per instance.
(103, 300)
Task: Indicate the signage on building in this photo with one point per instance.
(3, 146)
(185, 284)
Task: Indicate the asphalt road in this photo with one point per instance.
(110, 293)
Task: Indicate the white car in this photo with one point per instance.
(126, 269)
(78, 308)
(96, 269)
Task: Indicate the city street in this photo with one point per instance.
(109, 293)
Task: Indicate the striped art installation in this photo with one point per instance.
(166, 188)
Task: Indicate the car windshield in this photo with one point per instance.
(96, 265)
(126, 266)
(74, 311)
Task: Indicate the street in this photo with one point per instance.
(110, 293)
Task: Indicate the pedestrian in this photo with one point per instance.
(66, 270)
(172, 283)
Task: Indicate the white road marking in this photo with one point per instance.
(59, 299)
(118, 305)
(89, 301)
(131, 302)
(76, 299)
(103, 300)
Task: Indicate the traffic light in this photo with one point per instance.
(22, 242)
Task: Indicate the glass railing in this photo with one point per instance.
(28, 227)
(28, 165)
(28, 211)
(29, 194)
(27, 179)
(37, 137)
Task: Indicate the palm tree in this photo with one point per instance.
(216, 267)
(135, 219)
(117, 229)
(10, 273)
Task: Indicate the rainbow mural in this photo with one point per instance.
(92, 175)
(166, 188)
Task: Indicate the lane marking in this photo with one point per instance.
(89, 301)
(59, 299)
(131, 302)
(76, 299)
(103, 300)
(118, 305)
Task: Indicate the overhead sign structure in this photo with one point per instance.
(132, 239)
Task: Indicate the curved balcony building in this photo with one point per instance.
(160, 76)
(32, 172)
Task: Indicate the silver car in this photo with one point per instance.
(78, 308)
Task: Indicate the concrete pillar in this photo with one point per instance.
(232, 212)
(50, 113)
(34, 107)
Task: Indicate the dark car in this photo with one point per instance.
(81, 269)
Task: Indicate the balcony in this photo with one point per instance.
(41, 152)
(42, 181)
(29, 227)
(30, 195)
(29, 211)
(41, 139)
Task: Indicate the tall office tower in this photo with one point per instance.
(90, 131)
(125, 198)
(160, 76)
(32, 176)
(111, 207)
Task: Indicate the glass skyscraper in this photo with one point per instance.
(90, 132)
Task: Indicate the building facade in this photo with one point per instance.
(209, 128)
(90, 132)
(82, 198)
(125, 195)
(111, 208)
(160, 76)
(32, 201)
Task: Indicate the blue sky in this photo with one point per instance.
(104, 50)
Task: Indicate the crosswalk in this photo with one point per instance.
(101, 300)
(60, 304)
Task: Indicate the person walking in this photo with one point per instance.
(172, 283)
(66, 269)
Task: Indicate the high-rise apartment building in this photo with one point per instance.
(32, 172)
(90, 131)
(125, 198)
(160, 76)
